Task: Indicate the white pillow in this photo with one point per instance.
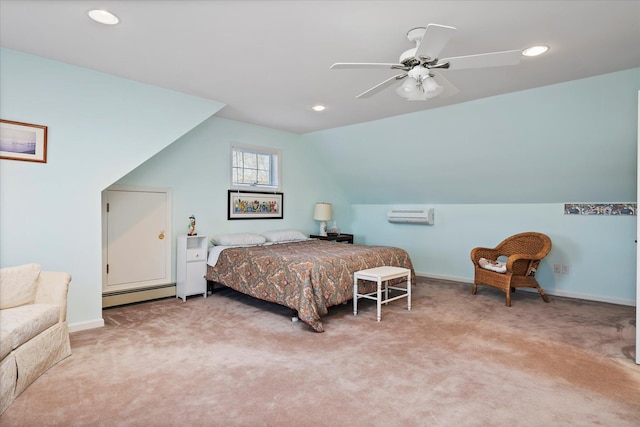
(18, 285)
(284, 236)
(234, 239)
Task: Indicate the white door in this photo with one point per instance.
(137, 238)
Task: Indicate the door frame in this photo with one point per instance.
(168, 231)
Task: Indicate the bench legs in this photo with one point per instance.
(377, 295)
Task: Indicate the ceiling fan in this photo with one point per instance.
(421, 65)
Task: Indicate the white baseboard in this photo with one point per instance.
(588, 297)
(90, 324)
(555, 292)
(441, 277)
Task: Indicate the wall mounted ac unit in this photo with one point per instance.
(411, 216)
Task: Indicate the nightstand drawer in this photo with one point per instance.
(196, 254)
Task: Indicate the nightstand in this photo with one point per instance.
(347, 238)
(191, 257)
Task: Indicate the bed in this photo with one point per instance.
(308, 276)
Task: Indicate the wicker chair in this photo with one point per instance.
(524, 252)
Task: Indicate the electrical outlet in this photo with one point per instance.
(565, 269)
(557, 268)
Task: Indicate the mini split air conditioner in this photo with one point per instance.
(411, 216)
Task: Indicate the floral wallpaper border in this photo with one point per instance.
(600, 209)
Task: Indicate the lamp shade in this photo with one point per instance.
(419, 91)
(419, 85)
(431, 88)
(322, 212)
(409, 89)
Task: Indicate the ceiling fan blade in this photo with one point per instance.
(380, 86)
(482, 60)
(434, 40)
(354, 65)
(449, 88)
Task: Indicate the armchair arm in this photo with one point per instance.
(520, 264)
(487, 253)
(52, 288)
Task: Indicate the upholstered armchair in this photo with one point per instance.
(512, 264)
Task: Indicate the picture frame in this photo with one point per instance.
(254, 205)
(23, 141)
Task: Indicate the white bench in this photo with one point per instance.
(379, 275)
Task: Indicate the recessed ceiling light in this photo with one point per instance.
(535, 50)
(318, 107)
(103, 17)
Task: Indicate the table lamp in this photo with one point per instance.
(322, 213)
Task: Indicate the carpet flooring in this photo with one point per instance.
(455, 359)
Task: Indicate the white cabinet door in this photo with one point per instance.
(196, 282)
(138, 238)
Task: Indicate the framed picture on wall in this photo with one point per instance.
(23, 141)
(254, 205)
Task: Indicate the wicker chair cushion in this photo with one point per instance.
(497, 266)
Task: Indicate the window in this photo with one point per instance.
(255, 167)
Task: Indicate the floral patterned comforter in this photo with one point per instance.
(307, 276)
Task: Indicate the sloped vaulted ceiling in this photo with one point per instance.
(268, 61)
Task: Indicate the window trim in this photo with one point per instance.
(259, 150)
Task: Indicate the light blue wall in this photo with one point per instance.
(369, 165)
(102, 127)
(599, 250)
(574, 141)
(501, 165)
(197, 169)
(99, 128)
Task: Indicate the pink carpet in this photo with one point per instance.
(454, 360)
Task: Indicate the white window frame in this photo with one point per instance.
(276, 175)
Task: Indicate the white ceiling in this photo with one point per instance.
(268, 61)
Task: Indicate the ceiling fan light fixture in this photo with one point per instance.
(431, 88)
(419, 88)
(103, 17)
(409, 89)
(535, 50)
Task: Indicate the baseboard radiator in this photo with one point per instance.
(113, 299)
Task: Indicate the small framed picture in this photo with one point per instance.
(23, 141)
(254, 205)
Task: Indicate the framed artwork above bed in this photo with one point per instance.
(254, 205)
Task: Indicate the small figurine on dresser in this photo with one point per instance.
(192, 226)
